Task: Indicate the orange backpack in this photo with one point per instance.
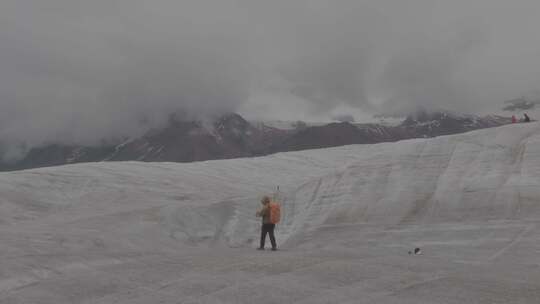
(275, 212)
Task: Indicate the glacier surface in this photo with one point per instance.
(132, 232)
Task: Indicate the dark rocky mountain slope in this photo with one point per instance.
(231, 136)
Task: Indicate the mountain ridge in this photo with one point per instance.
(232, 136)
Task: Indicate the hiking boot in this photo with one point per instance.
(260, 248)
(274, 249)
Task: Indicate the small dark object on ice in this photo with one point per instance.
(416, 251)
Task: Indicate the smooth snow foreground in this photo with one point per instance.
(185, 233)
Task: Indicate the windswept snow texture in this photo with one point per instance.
(135, 232)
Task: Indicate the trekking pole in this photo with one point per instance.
(276, 194)
(281, 201)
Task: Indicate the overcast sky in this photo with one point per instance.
(77, 71)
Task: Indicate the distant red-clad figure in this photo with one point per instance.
(514, 119)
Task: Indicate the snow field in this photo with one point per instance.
(134, 232)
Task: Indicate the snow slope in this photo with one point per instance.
(131, 232)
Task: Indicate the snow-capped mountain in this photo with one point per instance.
(231, 136)
(520, 104)
(433, 124)
(419, 125)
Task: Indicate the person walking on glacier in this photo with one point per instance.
(269, 221)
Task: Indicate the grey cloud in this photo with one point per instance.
(77, 71)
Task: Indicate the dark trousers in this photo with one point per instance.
(268, 228)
